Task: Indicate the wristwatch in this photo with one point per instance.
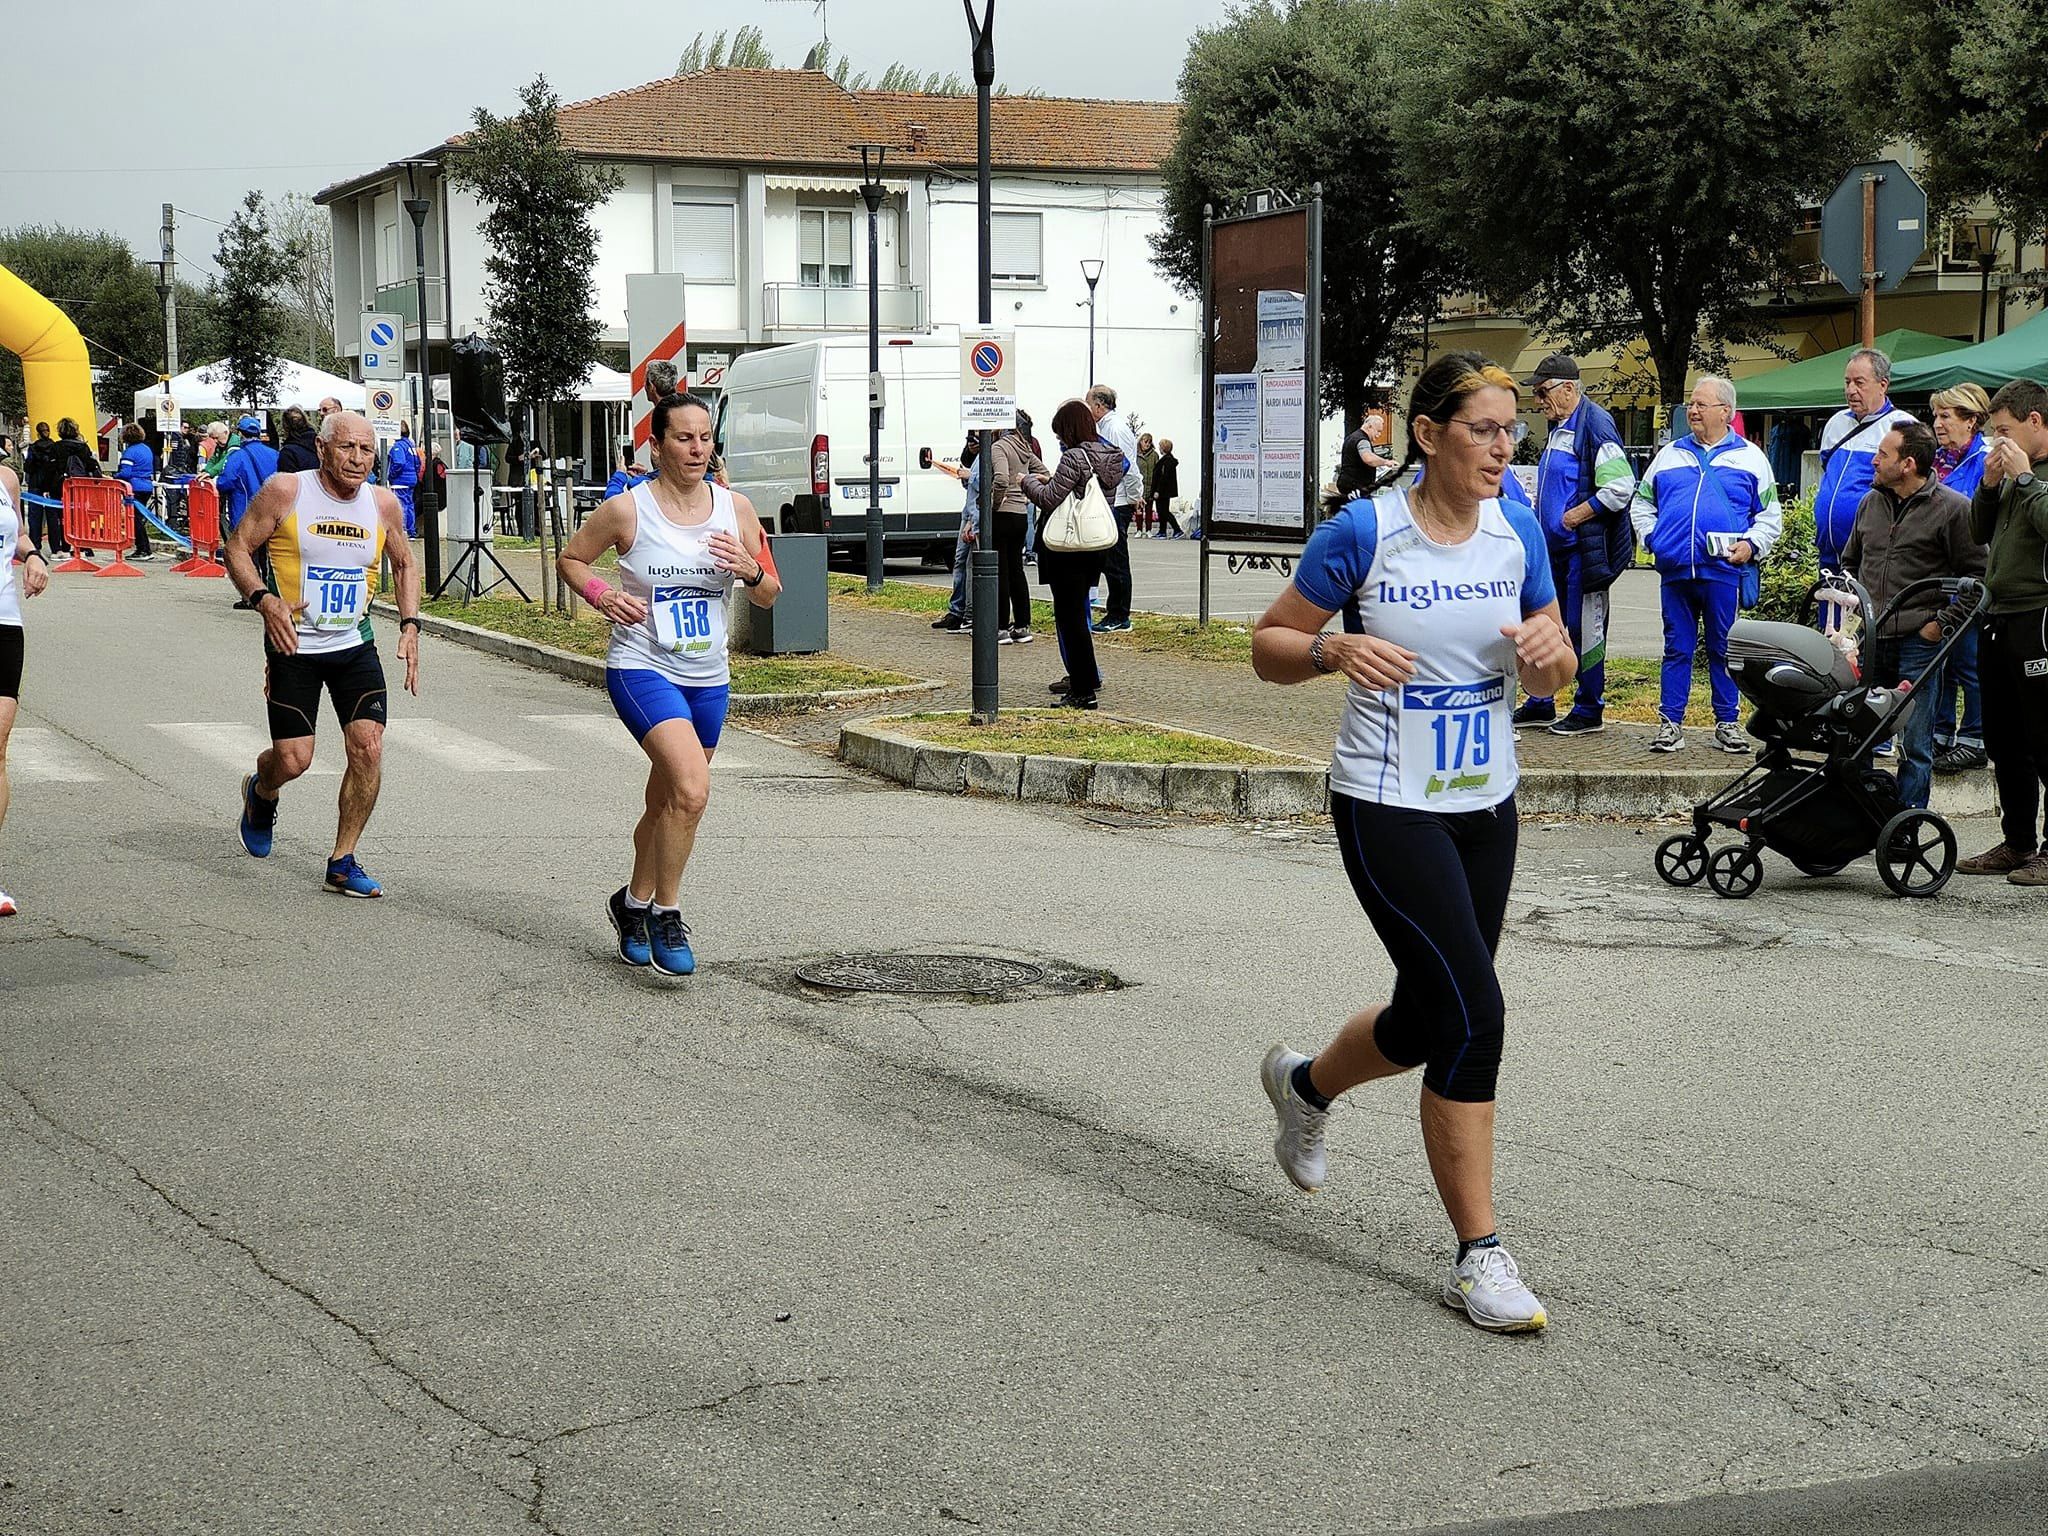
(411, 620)
(760, 575)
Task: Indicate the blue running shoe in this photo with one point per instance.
(668, 943)
(630, 923)
(345, 877)
(259, 819)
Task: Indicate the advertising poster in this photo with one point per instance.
(1280, 486)
(1237, 411)
(1283, 331)
(1237, 484)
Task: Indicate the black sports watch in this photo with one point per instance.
(412, 620)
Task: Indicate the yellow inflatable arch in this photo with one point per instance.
(54, 365)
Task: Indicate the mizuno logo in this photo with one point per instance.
(1454, 695)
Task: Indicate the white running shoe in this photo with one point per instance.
(1728, 737)
(7, 906)
(1487, 1287)
(1669, 737)
(1299, 1146)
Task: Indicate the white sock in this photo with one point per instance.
(634, 903)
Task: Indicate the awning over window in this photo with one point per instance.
(826, 182)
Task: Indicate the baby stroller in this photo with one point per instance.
(1812, 794)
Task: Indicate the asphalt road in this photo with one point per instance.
(425, 1215)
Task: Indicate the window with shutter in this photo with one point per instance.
(1014, 247)
(810, 234)
(704, 241)
(824, 248)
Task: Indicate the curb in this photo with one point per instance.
(588, 669)
(1200, 789)
(1285, 792)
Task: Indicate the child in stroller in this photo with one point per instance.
(1813, 795)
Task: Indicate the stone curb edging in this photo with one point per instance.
(1269, 792)
(1280, 792)
(588, 669)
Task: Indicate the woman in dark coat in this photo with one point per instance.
(1070, 573)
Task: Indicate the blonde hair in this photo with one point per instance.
(1969, 399)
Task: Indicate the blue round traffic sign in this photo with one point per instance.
(987, 359)
(381, 334)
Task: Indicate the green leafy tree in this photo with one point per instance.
(1284, 97)
(748, 49)
(254, 275)
(111, 297)
(1974, 98)
(1620, 168)
(538, 292)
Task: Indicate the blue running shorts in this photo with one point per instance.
(646, 699)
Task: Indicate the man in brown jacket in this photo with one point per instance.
(1910, 527)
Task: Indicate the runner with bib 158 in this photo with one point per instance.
(1447, 596)
(682, 541)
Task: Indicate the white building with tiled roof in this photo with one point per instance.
(745, 181)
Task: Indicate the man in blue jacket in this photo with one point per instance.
(1583, 490)
(1707, 506)
(242, 476)
(1848, 450)
(403, 467)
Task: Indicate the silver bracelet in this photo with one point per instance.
(1315, 655)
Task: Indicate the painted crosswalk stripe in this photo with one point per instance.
(235, 744)
(458, 749)
(603, 730)
(37, 753)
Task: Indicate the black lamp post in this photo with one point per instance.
(871, 193)
(1984, 238)
(985, 563)
(417, 208)
(1091, 270)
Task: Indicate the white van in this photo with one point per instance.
(793, 430)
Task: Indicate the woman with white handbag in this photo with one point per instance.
(1075, 526)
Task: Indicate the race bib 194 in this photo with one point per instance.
(682, 620)
(336, 595)
(1450, 734)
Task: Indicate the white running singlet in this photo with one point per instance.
(671, 570)
(1444, 741)
(322, 555)
(10, 536)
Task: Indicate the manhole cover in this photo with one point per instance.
(920, 975)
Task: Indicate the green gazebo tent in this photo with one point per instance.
(1816, 383)
(2021, 353)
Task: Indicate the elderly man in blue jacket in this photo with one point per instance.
(1707, 507)
(242, 476)
(1583, 490)
(1848, 450)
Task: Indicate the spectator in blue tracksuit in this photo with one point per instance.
(1583, 490)
(1706, 507)
(1959, 416)
(624, 478)
(138, 470)
(403, 469)
(242, 476)
(1848, 445)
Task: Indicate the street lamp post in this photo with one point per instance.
(1984, 237)
(871, 194)
(417, 208)
(1091, 269)
(984, 563)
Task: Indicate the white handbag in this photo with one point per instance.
(1083, 522)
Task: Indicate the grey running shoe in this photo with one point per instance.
(1729, 737)
(1299, 1146)
(1669, 737)
(1487, 1287)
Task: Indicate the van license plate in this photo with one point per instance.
(860, 492)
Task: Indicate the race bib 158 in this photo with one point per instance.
(682, 620)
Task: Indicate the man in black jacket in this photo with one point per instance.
(301, 448)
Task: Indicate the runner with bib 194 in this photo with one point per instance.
(682, 541)
(1446, 594)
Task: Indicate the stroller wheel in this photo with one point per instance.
(1916, 853)
(1681, 860)
(1735, 873)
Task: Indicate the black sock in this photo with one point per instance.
(1491, 1240)
(1307, 1089)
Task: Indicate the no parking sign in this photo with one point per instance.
(988, 378)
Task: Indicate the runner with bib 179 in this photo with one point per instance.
(324, 531)
(1446, 594)
(682, 541)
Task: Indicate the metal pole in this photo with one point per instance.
(871, 194)
(429, 505)
(170, 244)
(1312, 357)
(1867, 309)
(984, 564)
(1091, 335)
(1207, 479)
(1983, 290)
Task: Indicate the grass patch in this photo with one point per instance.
(1633, 687)
(1064, 733)
(589, 635)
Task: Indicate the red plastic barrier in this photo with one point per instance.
(97, 516)
(202, 515)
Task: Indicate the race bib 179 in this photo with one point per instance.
(1449, 738)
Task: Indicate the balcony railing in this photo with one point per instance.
(403, 299)
(794, 307)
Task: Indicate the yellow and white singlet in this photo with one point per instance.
(322, 555)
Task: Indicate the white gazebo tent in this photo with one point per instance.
(204, 389)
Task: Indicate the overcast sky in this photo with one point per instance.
(107, 118)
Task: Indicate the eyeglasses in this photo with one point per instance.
(1708, 405)
(1484, 432)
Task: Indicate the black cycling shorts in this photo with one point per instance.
(11, 651)
(353, 678)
